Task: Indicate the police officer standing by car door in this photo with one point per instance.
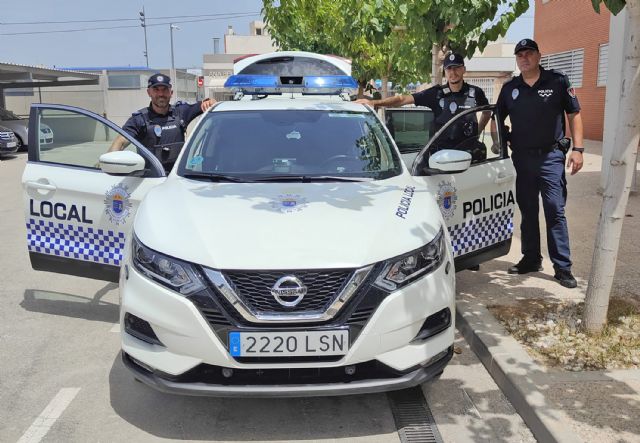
(161, 127)
(446, 101)
(536, 102)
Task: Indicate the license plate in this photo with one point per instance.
(286, 344)
(11, 145)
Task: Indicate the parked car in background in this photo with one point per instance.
(8, 141)
(20, 127)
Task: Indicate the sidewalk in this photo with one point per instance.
(557, 405)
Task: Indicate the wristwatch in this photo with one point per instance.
(580, 150)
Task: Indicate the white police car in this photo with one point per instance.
(290, 252)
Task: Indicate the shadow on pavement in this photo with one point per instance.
(222, 419)
(75, 306)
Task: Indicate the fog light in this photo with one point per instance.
(350, 370)
(227, 372)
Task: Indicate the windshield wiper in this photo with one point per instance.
(216, 177)
(310, 178)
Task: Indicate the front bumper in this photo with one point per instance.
(407, 380)
(8, 147)
(190, 338)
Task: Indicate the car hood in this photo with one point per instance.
(287, 225)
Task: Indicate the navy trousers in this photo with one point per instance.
(542, 174)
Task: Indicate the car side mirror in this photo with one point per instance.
(121, 162)
(449, 161)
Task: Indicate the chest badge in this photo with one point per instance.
(441, 103)
(515, 93)
(157, 130)
(453, 107)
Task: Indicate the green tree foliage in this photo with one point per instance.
(615, 6)
(389, 38)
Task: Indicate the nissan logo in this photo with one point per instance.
(289, 291)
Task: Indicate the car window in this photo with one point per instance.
(472, 133)
(409, 127)
(69, 138)
(291, 66)
(291, 142)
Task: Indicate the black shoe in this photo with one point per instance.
(524, 267)
(565, 278)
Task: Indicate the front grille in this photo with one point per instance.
(6, 135)
(254, 288)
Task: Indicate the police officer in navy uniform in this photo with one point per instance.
(446, 101)
(161, 127)
(536, 102)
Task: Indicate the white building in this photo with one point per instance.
(217, 67)
(121, 91)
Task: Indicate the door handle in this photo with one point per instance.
(503, 178)
(43, 186)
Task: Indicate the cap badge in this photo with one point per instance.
(452, 57)
(523, 42)
(515, 93)
(160, 78)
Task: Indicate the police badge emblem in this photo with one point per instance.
(117, 204)
(523, 42)
(441, 103)
(447, 199)
(453, 106)
(452, 57)
(160, 78)
(515, 93)
(287, 203)
(157, 130)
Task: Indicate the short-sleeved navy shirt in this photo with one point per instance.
(537, 112)
(136, 126)
(431, 97)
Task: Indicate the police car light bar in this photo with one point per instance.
(269, 84)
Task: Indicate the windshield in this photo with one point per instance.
(290, 144)
(8, 115)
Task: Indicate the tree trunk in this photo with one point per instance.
(436, 65)
(385, 87)
(619, 173)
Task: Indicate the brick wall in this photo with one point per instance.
(563, 25)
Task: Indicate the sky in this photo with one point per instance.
(123, 45)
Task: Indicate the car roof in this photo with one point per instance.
(285, 102)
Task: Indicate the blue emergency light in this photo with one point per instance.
(270, 84)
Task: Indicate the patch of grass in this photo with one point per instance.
(552, 331)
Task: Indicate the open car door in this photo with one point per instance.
(478, 203)
(77, 215)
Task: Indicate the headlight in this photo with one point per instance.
(174, 274)
(402, 270)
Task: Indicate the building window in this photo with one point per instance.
(124, 81)
(258, 31)
(486, 84)
(569, 62)
(603, 64)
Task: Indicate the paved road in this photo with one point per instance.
(61, 378)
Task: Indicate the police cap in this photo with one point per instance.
(526, 43)
(452, 59)
(159, 80)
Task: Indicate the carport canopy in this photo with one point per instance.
(14, 76)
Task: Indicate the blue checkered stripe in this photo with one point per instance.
(78, 242)
(481, 232)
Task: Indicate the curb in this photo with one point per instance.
(517, 375)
